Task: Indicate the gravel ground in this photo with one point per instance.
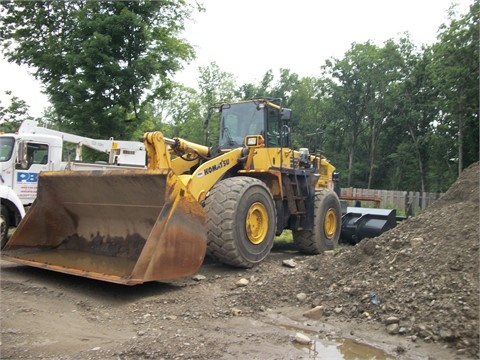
(412, 293)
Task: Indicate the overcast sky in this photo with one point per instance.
(249, 37)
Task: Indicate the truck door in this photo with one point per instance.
(32, 158)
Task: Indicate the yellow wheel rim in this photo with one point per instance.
(330, 224)
(256, 223)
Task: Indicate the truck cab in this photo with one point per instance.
(22, 157)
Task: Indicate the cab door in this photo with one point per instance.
(32, 158)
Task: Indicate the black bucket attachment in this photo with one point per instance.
(359, 223)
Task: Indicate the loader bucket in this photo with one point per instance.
(121, 226)
(359, 223)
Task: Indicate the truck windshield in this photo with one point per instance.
(6, 148)
(238, 121)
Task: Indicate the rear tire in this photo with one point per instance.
(241, 221)
(326, 225)
(4, 226)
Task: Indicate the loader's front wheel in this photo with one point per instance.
(326, 225)
(241, 221)
(4, 226)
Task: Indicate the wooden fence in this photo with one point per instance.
(409, 202)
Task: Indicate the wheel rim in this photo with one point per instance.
(330, 224)
(256, 223)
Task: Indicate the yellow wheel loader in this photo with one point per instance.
(228, 201)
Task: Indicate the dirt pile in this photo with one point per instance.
(420, 279)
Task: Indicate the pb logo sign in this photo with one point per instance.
(27, 177)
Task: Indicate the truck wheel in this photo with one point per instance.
(4, 226)
(241, 221)
(326, 225)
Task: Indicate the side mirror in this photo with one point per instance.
(210, 110)
(207, 119)
(285, 114)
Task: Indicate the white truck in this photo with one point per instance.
(24, 154)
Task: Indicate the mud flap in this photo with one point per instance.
(121, 226)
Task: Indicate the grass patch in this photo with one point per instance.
(285, 237)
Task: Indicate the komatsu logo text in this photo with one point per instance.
(217, 166)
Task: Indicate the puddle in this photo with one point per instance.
(341, 349)
(335, 348)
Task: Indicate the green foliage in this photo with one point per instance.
(12, 115)
(215, 86)
(454, 71)
(182, 115)
(285, 237)
(96, 59)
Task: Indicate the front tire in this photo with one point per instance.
(241, 221)
(4, 226)
(326, 225)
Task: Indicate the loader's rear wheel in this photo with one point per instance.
(4, 226)
(241, 221)
(326, 225)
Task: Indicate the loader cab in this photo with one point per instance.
(254, 118)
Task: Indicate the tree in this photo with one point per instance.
(12, 116)
(411, 118)
(181, 115)
(309, 118)
(351, 95)
(455, 72)
(96, 59)
(215, 86)
(250, 91)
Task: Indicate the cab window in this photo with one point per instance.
(6, 148)
(36, 154)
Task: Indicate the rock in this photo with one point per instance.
(302, 339)
(393, 328)
(301, 296)
(446, 334)
(242, 282)
(369, 247)
(315, 313)
(338, 310)
(392, 320)
(289, 263)
(236, 311)
(198, 277)
(416, 241)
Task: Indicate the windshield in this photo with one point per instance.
(238, 121)
(6, 148)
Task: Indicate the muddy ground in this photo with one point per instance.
(412, 293)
